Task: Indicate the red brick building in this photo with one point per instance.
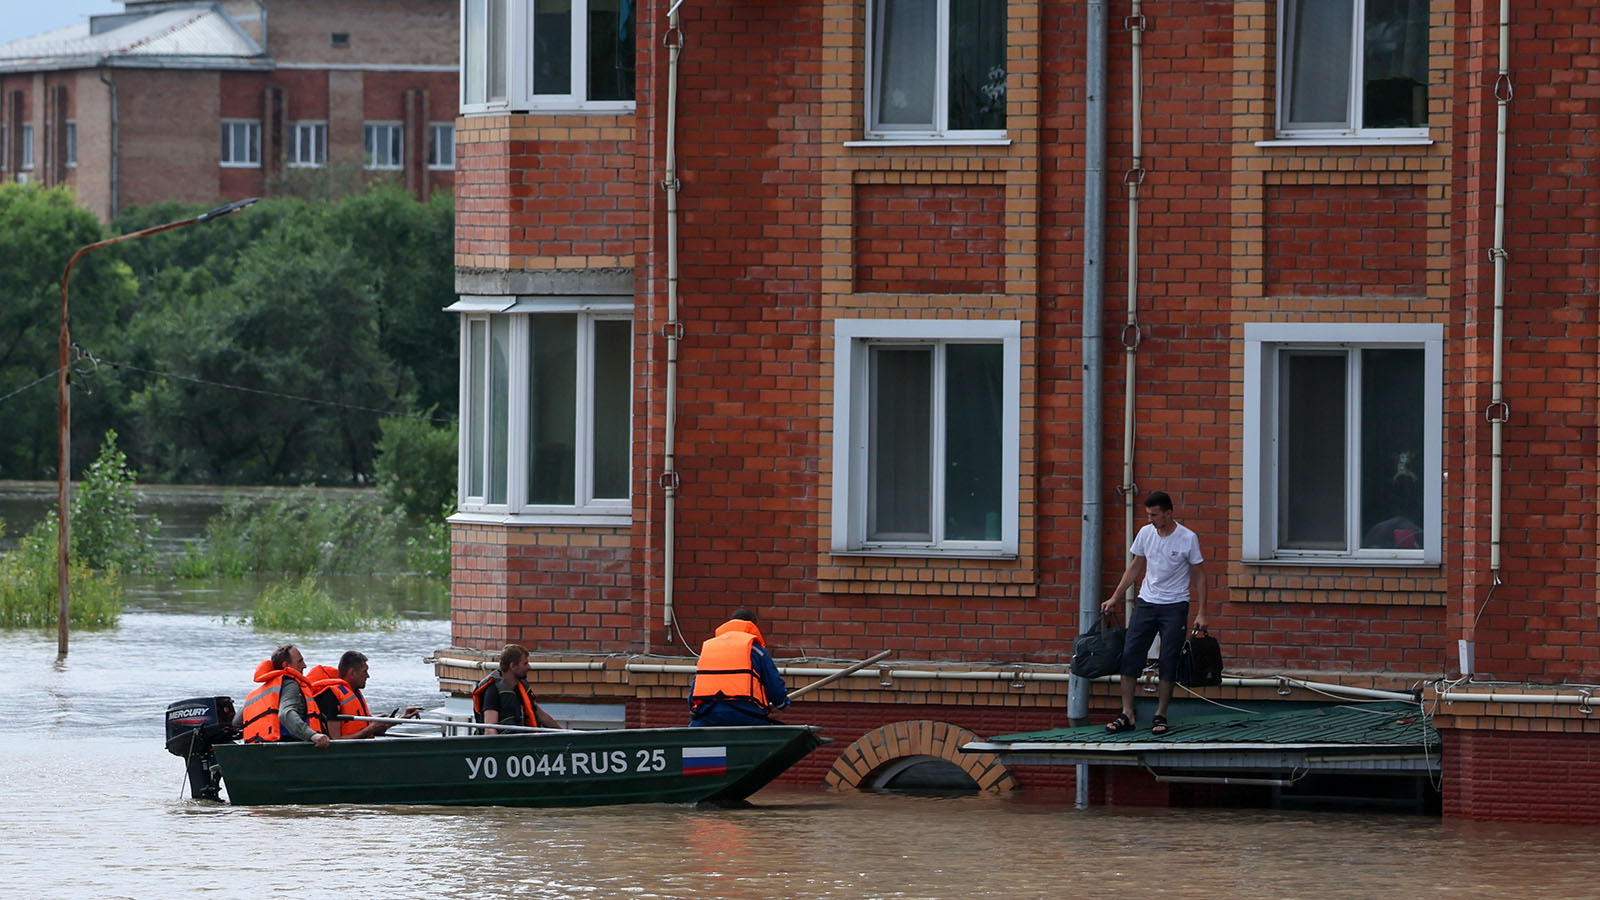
(847, 319)
(205, 101)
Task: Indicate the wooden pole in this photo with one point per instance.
(830, 679)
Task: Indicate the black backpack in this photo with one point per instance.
(1200, 660)
(1098, 651)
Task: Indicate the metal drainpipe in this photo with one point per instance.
(1498, 410)
(1130, 331)
(674, 329)
(1094, 240)
(112, 85)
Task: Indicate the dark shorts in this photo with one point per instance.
(1170, 621)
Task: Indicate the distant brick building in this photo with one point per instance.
(876, 422)
(205, 101)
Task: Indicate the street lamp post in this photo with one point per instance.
(64, 406)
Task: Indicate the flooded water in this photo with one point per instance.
(92, 806)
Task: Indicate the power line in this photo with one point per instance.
(45, 377)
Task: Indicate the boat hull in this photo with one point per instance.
(588, 768)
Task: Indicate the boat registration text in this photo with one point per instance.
(577, 762)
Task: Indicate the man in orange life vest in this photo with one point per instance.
(337, 692)
(736, 682)
(276, 711)
(503, 697)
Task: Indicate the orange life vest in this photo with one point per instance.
(261, 707)
(724, 670)
(528, 717)
(351, 703)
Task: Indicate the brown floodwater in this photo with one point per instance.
(92, 806)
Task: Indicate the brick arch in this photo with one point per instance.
(916, 737)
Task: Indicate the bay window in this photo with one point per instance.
(547, 54)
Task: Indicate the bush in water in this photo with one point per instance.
(416, 464)
(28, 585)
(307, 606)
(300, 533)
(429, 553)
(106, 534)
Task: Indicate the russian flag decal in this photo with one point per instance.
(705, 760)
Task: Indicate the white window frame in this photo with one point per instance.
(26, 163)
(588, 509)
(252, 151)
(318, 148)
(1351, 131)
(518, 51)
(1262, 342)
(940, 132)
(72, 144)
(435, 129)
(388, 128)
(853, 340)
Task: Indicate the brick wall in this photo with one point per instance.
(935, 239)
(1522, 776)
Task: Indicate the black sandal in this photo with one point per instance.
(1158, 725)
(1120, 723)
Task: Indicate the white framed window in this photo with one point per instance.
(548, 54)
(936, 69)
(546, 400)
(1343, 442)
(926, 437)
(1353, 69)
(384, 145)
(72, 144)
(441, 145)
(309, 145)
(241, 143)
(27, 147)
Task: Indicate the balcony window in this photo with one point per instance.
(548, 54)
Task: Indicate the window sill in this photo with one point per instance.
(607, 519)
(909, 553)
(1344, 562)
(449, 168)
(1351, 141)
(239, 165)
(931, 142)
(304, 165)
(382, 168)
(616, 108)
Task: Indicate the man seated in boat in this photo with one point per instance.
(503, 697)
(337, 692)
(736, 682)
(276, 710)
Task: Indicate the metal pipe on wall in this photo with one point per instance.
(111, 207)
(1130, 330)
(669, 183)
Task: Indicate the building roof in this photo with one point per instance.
(1387, 735)
(201, 36)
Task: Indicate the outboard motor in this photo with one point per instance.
(194, 726)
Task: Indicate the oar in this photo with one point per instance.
(830, 679)
(517, 729)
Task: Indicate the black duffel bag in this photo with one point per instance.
(1098, 651)
(1200, 660)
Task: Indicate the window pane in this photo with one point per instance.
(474, 67)
(905, 62)
(552, 408)
(977, 65)
(1395, 66)
(613, 373)
(500, 406)
(1319, 58)
(1392, 386)
(1311, 463)
(611, 35)
(496, 50)
(552, 47)
(972, 442)
(477, 407)
(899, 446)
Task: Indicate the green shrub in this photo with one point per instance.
(301, 533)
(106, 533)
(416, 464)
(428, 554)
(304, 606)
(28, 586)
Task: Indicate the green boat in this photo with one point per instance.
(715, 765)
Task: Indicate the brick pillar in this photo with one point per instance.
(55, 140)
(415, 130)
(274, 144)
(11, 115)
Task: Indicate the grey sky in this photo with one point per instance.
(25, 18)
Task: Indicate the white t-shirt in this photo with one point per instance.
(1166, 563)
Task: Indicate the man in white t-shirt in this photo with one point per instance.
(1167, 555)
